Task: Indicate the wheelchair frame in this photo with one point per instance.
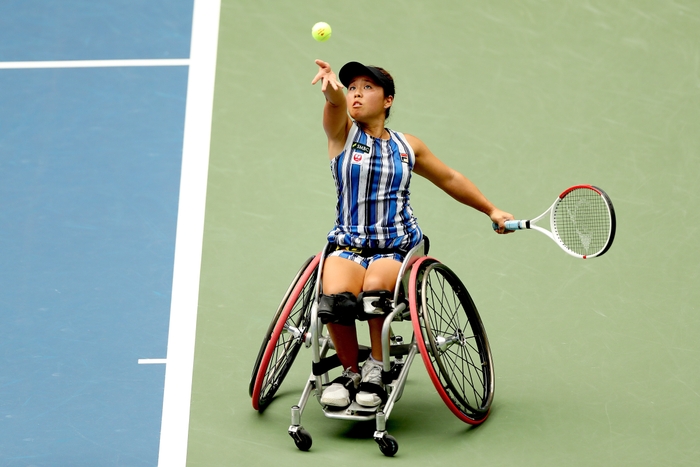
(443, 338)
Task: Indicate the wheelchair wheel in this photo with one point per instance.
(284, 336)
(452, 340)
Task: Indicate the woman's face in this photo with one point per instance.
(366, 99)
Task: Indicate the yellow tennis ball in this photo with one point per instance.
(321, 31)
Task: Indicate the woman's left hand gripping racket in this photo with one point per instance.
(582, 221)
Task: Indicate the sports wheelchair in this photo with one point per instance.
(446, 331)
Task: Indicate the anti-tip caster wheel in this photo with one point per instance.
(387, 444)
(301, 438)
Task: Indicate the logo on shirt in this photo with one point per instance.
(404, 158)
(360, 147)
(356, 158)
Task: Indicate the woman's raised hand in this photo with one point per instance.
(326, 76)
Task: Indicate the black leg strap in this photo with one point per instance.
(374, 304)
(328, 363)
(338, 308)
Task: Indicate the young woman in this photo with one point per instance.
(375, 226)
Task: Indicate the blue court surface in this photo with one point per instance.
(90, 162)
(92, 30)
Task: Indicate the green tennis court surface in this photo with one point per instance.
(596, 360)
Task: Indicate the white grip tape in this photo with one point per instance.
(515, 225)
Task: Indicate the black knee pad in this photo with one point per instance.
(374, 304)
(338, 308)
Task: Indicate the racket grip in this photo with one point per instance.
(516, 225)
(512, 225)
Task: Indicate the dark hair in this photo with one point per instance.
(387, 89)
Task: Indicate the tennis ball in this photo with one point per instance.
(321, 31)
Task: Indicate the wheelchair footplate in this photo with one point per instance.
(354, 411)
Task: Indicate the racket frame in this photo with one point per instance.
(531, 224)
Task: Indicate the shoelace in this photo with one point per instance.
(348, 373)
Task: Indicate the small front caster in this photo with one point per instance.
(301, 437)
(387, 443)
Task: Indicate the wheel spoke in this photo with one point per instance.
(289, 336)
(284, 351)
(458, 353)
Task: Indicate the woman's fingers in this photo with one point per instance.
(326, 75)
(324, 70)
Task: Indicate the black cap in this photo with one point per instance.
(352, 70)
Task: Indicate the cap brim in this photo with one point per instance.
(352, 70)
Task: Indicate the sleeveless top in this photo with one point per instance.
(372, 178)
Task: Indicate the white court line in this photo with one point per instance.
(190, 232)
(94, 63)
(152, 361)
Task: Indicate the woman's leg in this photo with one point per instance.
(343, 275)
(380, 275)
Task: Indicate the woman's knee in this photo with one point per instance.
(342, 275)
(381, 275)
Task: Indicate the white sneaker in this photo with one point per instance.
(371, 388)
(341, 391)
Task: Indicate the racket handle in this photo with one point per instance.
(513, 225)
(517, 225)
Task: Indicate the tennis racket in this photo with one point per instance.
(582, 221)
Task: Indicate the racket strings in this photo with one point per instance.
(582, 221)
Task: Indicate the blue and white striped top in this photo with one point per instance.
(372, 178)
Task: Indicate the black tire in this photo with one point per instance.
(388, 445)
(452, 341)
(280, 347)
(302, 439)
